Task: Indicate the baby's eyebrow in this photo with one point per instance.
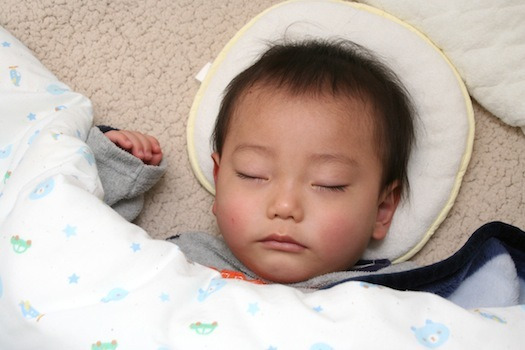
(334, 158)
(243, 147)
(317, 158)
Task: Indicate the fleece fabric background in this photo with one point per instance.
(136, 60)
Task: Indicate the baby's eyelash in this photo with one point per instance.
(338, 188)
(248, 177)
(243, 176)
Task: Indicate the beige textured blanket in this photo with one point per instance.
(136, 60)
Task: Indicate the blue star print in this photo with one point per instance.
(253, 308)
(6, 44)
(318, 308)
(164, 297)
(31, 116)
(135, 247)
(73, 278)
(70, 231)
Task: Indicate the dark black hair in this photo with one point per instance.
(340, 68)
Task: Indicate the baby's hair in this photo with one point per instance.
(339, 68)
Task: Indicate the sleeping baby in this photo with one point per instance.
(311, 146)
(311, 149)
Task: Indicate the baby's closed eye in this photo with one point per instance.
(254, 177)
(332, 188)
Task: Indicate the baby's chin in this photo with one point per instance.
(278, 278)
(285, 276)
(295, 272)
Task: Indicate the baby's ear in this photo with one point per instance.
(216, 160)
(386, 208)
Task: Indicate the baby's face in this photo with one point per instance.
(298, 185)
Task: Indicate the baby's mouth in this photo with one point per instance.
(282, 243)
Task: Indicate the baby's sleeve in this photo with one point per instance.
(125, 178)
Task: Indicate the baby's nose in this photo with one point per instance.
(286, 204)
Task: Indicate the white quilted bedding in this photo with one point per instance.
(75, 275)
(484, 39)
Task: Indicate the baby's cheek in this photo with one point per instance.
(231, 216)
(337, 230)
(343, 241)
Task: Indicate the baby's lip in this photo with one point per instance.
(283, 243)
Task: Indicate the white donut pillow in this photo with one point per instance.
(445, 127)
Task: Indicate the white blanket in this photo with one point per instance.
(75, 275)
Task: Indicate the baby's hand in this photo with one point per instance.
(144, 147)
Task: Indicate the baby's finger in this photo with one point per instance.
(146, 145)
(137, 148)
(155, 159)
(155, 145)
(120, 139)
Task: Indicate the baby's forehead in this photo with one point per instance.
(357, 108)
(259, 104)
